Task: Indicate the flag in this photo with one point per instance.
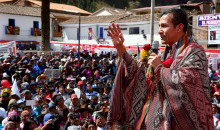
(90, 33)
(138, 51)
(15, 89)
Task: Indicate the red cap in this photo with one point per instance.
(73, 96)
(80, 82)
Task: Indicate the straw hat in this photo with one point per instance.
(42, 76)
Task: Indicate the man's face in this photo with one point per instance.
(214, 109)
(14, 109)
(91, 127)
(43, 95)
(89, 87)
(75, 101)
(11, 127)
(167, 31)
(94, 101)
(217, 97)
(61, 89)
(27, 95)
(100, 121)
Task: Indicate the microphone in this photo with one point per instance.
(155, 46)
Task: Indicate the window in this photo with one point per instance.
(134, 30)
(36, 24)
(12, 22)
(101, 33)
(60, 28)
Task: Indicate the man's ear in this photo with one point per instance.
(180, 27)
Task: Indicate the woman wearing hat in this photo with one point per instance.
(10, 126)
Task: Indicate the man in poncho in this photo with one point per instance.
(179, 97)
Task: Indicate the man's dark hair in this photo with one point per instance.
(12, 105)
(5, 94)
(94, 97)
(15, 119)
(70, 92)
(28, 123)
(179, 16)
(24, 106)
(89, 123)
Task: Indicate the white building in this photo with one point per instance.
(21, 24)
(135, 29)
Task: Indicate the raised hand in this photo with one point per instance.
(117, 38)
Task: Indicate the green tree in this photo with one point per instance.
(45, 20)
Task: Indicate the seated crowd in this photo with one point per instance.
(77, 97)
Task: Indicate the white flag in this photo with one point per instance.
(15, 90)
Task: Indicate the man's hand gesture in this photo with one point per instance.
(117, 38)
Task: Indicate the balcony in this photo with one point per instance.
(12, 30)
(35, 32)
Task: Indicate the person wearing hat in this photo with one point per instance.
(42, 78)
(5, 98)
(26, 95)
(79, 89)
(5, 76)
(2, 59)
(25, 115)
(32, 87)
(13, 116)
(85, 113)
(14, 96)
(48, 118)
(62, 65)
(13, 107)
(74, 105)
(10, 126)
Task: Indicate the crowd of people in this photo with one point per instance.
(214, 77)
(78, 99)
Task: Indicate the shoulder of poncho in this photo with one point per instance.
(193, 44)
